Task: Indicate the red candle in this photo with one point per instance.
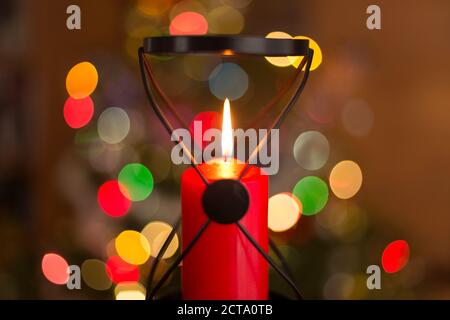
(224, 264)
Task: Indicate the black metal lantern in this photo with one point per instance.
(237, 200)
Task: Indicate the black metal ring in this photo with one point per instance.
(225, 45)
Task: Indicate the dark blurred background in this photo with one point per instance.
(50, 173)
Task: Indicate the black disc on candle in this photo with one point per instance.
(225, 201)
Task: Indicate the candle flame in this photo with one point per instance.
(227, 132)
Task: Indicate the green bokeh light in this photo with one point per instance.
(136, 181)
(312, 193)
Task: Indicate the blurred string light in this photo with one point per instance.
(284, 212)
(132, 247)
(311, 150)
(113, 125)
(130, 291)
(346, 179)
(200, 67)
(78, 112)
(135, 181)
(228, 80)
(312, 193)
(295, 61)
(279, 61)
(55, 268)
(82, 80)
(111, 199)
(395, 256)
(357, 118)
(121, 271)
(187, 5)
(156, 233)
(95, 274)
(318, 56)
(188, 23)
(154, 7)
(225, 20)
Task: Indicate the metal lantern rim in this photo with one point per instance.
(225, 45)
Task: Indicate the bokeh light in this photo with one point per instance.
(200, 67)
(346, 179)
(228, 80)
(55, 268)
(132, 247)
(284, 212)
(357, 118)
(279, 61)
(187, 6)
(136, 182)
(188, 23)
(111, 199)
(130, 291)
(156, 233)
(95, 274)
(82, 80)
(121, 271)
(344, 220)
(311, 150)
(312, 193)
(395, 256)
(153, 7)
(113, 125)
(317, 58)
(78, 112)
(225, 20)
(208, 119)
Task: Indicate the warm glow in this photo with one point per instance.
(227, 132)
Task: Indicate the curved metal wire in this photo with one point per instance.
(286, 274)
(161, 253)
(151, 293)
(270, 261)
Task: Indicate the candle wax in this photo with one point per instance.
(223, 264)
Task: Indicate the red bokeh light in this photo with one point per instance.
(112, 200)
(55, 268)
(208, 119)
(120, 271)
(395, 256)
(188, 23)
(78, 113)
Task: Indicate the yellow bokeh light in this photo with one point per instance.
(153, 7)
(346, 179)
(280, 61)
(284, 212)
(133, 247)
(95, 274)
(156, 234)
(317, 59)
(225, 20)
(82, 80)
(130, 291)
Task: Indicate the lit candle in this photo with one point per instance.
(223, 264)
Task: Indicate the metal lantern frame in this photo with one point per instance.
(222, 46)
